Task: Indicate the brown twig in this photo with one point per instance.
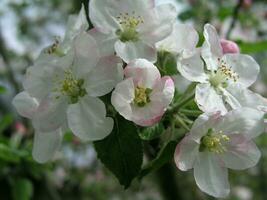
(234, 18)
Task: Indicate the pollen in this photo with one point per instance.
(142, 96)
(129, 23)
(214, 142)
(72, 87)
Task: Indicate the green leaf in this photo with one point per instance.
(254, 47)
(165, 155)
(5, 122)
(152, 132)
(2, 89)
(22, 189)
(8, 154)
(122, 151)
(167, 63)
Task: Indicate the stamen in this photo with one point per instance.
(142, 96)
(53, 49)
(214, 142)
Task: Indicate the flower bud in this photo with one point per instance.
(229, 46)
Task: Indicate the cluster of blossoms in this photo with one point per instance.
(118, 56)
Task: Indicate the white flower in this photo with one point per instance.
(143, 96)
(220, 73)
(183, 39)
(133, 26)
(216, 143)
(66, 89)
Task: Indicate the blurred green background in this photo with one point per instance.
(27, 26)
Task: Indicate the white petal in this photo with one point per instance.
(211, 49)
(163, 91)
(45, 145)
(245, 66)
(104, 77)
(103, 13)
(186, 153)
(208, 100)
(241, 153)
(211, 177)
(25, 104)
(86, 54)
(129, 51)
(75, 25)
(183, 37)
(105, 42)
(143, 72)
(87, 119)
(158, 23)
(247, 98)
(50, 115)
(122, 97)
(246, 121)
(192, 68)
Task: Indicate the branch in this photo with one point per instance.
(10, 73)
(235, 18)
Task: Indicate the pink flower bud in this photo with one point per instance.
(247, 3)
(229, 46)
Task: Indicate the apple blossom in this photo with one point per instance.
(132, 28)
(219, 73)
(218, 142)
(184, 38)
(143, 96)
(67, 88)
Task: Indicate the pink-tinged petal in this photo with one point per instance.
(51, 114)
(245, 121)
(143, 72)
(241, 153)
(211, 48)
(163, 91)
(148, 115)
(25, 104)
(104, 77)
(122, 97)
(129, 51)
(45, 145)
(211, 176)
(105, 42)
(186, 153)
(229, 46)
(208, 100)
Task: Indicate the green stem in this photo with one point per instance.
(182, 123)
(191, 113)
(182, 103)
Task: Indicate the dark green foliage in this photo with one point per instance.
(122, 151)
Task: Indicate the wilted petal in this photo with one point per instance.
(211, 177)
(87, 119)
(143, 72)
(186, 153)
(129, 51)
(104, 77)
(45, 145)
(241, 153)
(25, 104)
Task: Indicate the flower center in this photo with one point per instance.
(141, 96)
(129, 24)
(214, 142)
(222, 75)
(72, 87)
